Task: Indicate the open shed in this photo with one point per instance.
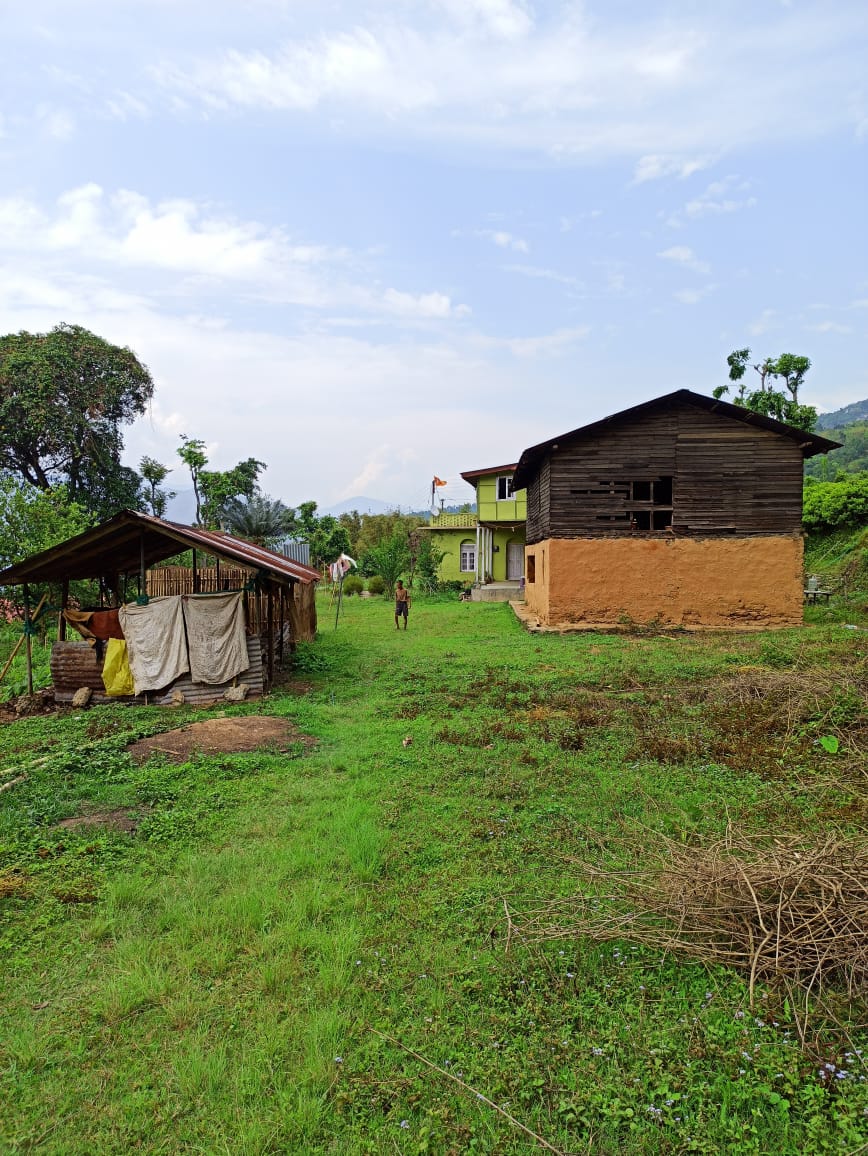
(273, 603)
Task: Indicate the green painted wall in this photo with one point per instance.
(512, 509)
(450, 542)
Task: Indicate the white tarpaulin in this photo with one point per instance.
(215, 636)
(156, 646)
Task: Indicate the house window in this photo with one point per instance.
(468, 558)
(530, 565)
(504, 488)
(630, 504)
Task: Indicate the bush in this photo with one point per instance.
(353, 585)
(376, 585)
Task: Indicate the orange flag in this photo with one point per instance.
(438, 481)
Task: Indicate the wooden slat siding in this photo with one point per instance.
(538, 506)
(728, 477)
(75, 664)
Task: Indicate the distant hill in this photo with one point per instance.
(851, 458)
(856, 411)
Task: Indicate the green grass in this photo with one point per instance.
(210, 984)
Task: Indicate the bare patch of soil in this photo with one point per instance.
(220, 736)
(114, 820)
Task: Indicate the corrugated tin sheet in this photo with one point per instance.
(132, 539)
(75, 664)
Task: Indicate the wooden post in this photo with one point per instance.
(269, 610)
(217, 585)
(143, 580)
(61, 621)
(28, 641)
(281, 596)
(195, 573)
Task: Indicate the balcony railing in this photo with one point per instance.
(462, 521)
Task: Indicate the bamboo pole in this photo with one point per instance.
(20, 641)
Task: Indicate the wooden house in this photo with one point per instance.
(683, 510)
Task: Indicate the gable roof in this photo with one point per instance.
(809, 444)
(471, 474)
(122, 544)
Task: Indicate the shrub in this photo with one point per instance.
(376, 585)
(353, 585)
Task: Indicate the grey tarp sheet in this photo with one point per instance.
(156, 645)
(215, 636)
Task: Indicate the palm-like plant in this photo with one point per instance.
(259, 518)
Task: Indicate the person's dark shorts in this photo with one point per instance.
(401, 608)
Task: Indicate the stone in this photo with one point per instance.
(236, 693)
(177, 698)
(82, 696)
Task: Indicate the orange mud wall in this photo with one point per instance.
(720, 582)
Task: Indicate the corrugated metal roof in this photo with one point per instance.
(130, 539)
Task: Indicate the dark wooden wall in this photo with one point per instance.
(728, 477)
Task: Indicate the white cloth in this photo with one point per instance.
(215, 636)
(156, 646)
(338, 569)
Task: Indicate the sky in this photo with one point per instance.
(371, 242)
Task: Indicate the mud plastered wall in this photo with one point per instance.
(739, 583)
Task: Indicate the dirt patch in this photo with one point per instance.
(118, 820)
(220, 736)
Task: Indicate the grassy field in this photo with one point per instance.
(305, 950)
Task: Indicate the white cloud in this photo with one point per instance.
(423, 305)
(653, 168)
(829, 327)
(504, 19)
(685, 257)
(503, 239)
(545, 345)
(669, 96)
(193, 250)
(767, 320)
(720, 197)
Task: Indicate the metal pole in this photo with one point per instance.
(340, 599)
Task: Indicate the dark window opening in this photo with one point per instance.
(504, 488)
(643, 504)
(530, 566)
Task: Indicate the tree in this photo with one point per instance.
(789, 367)
(325, 536)
(390, 559)
(259, 519)
(155, 473)
(32, 519)
(64, 398)
(213, 489)
(838, 504)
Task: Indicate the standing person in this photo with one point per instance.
(402, 604)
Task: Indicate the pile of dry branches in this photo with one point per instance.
(780, 910)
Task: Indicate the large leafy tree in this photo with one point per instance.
(64, 397)
(32, 520)
(214, 489)
(782, 404)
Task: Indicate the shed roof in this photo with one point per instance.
(809, 444)
(120, 545)
(468, 474)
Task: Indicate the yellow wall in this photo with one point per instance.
(488, 508)
(721, 582)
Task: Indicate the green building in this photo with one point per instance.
(487, 546)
